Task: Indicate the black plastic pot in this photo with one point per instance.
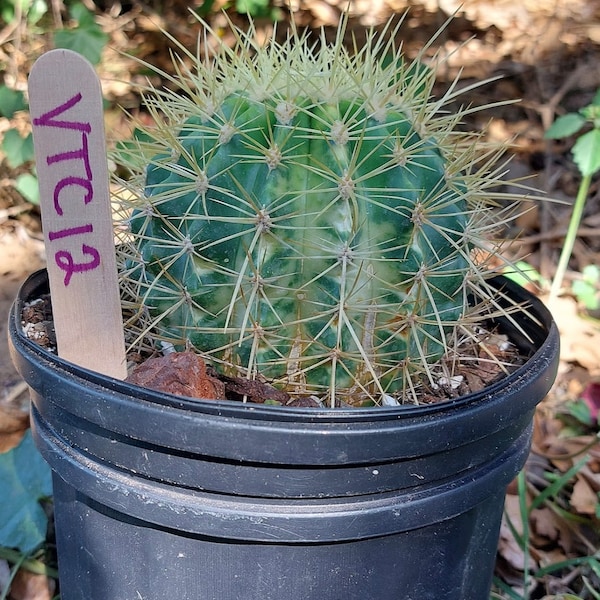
(162, 497)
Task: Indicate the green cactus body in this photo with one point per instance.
(319, 239)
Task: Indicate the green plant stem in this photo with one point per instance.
(565, 254)
(507, 592)
(558, 484)
(28, 563)
(13, 572)
(565, 564)
(522, 492)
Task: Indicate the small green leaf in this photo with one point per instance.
(11, 101)
(87, 42)
(18, 150)
(83, 16)
(586, 294)
(580, 411)
(565, 126)
(593, 563)
(591, 112)
(87, 38)
(591, 273)
(205, 8)
(37, 9)
(596, 100)
(34, 10)
(586, 289)
(586, 152)
(254, 8)
(8, 9)
(27, 185)
(25, 479)
(523, 273)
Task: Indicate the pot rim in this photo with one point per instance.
(549, 337)
(236, 431)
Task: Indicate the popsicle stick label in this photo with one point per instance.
(65, 101)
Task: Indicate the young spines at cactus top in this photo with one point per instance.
(307, 215)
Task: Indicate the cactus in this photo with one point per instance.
(309, 215)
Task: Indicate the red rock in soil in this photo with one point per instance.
(180, 373)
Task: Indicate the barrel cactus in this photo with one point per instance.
(308, 215)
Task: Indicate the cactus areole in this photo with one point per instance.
(308, 215)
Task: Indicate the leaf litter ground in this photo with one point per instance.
(548, 54)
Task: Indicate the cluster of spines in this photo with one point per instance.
(334, 100)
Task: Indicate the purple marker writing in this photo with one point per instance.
(65, 194)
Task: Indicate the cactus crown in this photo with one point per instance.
(309, 215)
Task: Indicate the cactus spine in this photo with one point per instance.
(308, 215)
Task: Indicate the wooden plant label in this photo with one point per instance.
(68, 132)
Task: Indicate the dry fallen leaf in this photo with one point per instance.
(584, 499)
(552, 556)
(591, 475)
(549, 441)
(13, 424)
(548, 526)
(508, 547)
(579, 343)
(29, 586)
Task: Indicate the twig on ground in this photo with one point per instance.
(14, 392)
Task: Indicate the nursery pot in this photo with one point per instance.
(158, 496)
